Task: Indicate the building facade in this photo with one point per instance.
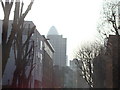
(79, 81)
(107, 65)
(47, 77)
(68, 77)
(42, 53)
(113, 63)
(58, 74)
(99, 71)
(0, 54)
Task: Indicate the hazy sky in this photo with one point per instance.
(75, 19)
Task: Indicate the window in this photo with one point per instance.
(41, 45)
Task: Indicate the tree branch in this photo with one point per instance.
(32, 31)
(6, 2)
(25, 13)
(11, 4)
(21, 9)
(2, 5)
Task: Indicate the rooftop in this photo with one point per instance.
(52, 31)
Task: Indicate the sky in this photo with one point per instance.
(76, 20)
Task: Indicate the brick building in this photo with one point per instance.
(113, 53)
(107, 65)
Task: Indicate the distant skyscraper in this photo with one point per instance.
(59, 44)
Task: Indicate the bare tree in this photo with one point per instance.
(24, 55)
(108, 23)
(84, 57)
(7, 39)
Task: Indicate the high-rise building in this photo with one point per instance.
(59, 44)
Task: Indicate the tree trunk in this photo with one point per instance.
(5, 53)
(15, 78)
